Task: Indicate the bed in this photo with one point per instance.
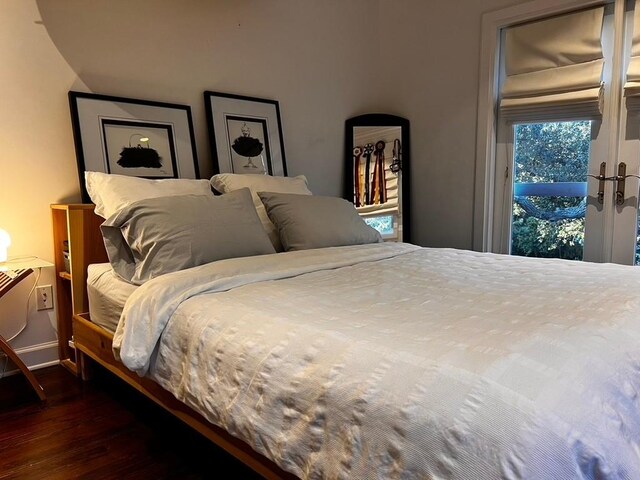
(386, 360)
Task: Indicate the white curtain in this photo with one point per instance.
(553, 68)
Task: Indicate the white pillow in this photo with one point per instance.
(155, 236)
(228, 182)
(314, 221)
(111, 192)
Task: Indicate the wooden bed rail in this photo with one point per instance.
(95, 344)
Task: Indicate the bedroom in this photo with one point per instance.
(431, 57)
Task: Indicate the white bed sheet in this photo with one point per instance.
(392, 361)
(107, 295)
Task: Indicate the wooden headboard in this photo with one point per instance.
(76, 232)
(77, 227)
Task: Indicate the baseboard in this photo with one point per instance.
(34, 357)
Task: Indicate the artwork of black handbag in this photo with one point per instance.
(139, 156)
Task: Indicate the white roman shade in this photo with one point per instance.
(632, 86)
(553, 68)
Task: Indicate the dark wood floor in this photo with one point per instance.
(102, 429)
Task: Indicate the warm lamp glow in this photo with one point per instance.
(5, 242)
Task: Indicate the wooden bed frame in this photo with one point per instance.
(94, 344)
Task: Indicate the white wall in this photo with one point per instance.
(431, 56)
(324, 60)
(309, 55)
(36, 162)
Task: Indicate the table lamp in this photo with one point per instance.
(5, 242)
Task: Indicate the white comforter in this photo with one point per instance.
(393, 361)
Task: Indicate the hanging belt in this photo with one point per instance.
(368, 150)
(357, 194)
(396, 164)
(378, 183)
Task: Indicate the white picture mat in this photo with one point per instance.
(223, 106)
(91, 112)
(119, 136)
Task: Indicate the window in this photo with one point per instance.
(551, 161)
(543, 136)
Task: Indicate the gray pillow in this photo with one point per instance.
(313, 221)
(155, 236)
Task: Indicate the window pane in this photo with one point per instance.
(551, 161)
(384, 224)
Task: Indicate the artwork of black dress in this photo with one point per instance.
(247, 146)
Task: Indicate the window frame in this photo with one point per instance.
(485, 173)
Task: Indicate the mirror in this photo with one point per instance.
(377, 172)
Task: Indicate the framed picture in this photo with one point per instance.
(126, 136)
(245, 134)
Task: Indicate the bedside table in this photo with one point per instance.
(13, 272)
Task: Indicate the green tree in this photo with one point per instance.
(547, 153)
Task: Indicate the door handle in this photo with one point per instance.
(621, 177)
(620, 180)
(601, 179)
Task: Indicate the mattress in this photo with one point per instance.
(395, 361)
(107, 295)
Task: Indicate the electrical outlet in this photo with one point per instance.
(44, 295)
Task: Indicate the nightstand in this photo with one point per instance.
(13, 272)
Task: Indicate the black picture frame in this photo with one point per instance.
(104, 127)
(240, 126)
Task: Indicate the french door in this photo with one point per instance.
(559, 184)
